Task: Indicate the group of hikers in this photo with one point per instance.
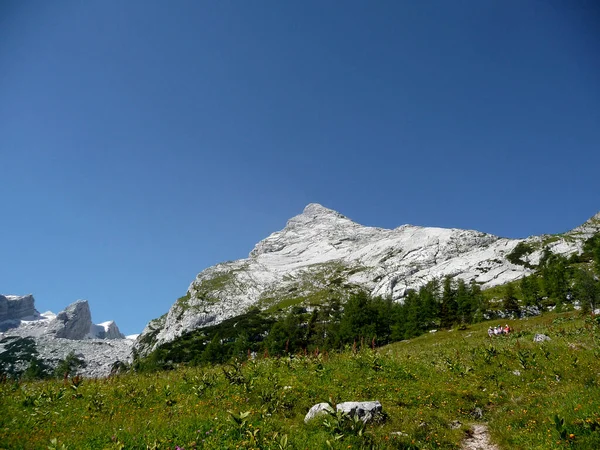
(499, 330)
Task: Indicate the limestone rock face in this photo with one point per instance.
(14, 307)
(74, 322)
(54, 336)
(320, 251)
(106, 330)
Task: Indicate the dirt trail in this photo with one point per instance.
(478, 439)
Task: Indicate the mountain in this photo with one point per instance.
(321, 253)
(51, 337)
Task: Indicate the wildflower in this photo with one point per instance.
(571, 436)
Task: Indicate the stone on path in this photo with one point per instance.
(478, 439)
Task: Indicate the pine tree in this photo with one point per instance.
(414, 313)
(359, 319)
(587, 290)
(478, 302)
(214, 351)
(591, 248)
(554, 272)
(509, 302)
(463, 301)
(449, 307)
(530, 289)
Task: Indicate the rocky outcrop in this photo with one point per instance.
(74, 322)
(54, 336)
(14, 307)
(106, 330)
(322, 251)
(98, 355)
(365, 411)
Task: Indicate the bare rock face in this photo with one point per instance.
(106, 330)
(14, 307)
(320, 250)
(54, 336)
(74, 322)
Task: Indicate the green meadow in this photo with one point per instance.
(433, 389)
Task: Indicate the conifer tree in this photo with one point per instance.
(214, 351)
(509, 302)
(463, 302)
(430, 302)
(592, 246)
(359, 319)
(478, 303)
(554, 273)
(449, 307)
(414, 311)
(530, 289)
(587, 290)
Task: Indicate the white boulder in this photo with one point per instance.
(365, 411)
(320, 409)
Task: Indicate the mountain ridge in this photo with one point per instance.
(322, 252)
(54, 336)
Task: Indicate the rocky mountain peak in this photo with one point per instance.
(321, 253)
(56, 335)
(15, 307)
(317, 214)
(315, 223)
(74, 322)
(315, 211)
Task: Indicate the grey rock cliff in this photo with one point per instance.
(321, 251)
(14, 307)
(74, 322)
(106, 330)
(55, 336)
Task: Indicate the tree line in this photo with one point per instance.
(364, 320)
(361, 320)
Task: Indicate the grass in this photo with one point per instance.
(313, 286)
(531, 395)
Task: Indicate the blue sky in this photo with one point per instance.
(142, 141)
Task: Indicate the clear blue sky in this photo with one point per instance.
(143, 141)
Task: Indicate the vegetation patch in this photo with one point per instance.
(316, 285)
(433, 389)
(521, 250)
(248, 381)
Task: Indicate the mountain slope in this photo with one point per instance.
(51, 337)
(321, 253)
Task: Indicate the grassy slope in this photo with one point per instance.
(423, 384)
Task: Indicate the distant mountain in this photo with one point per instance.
(53, 336)
(321, 253)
